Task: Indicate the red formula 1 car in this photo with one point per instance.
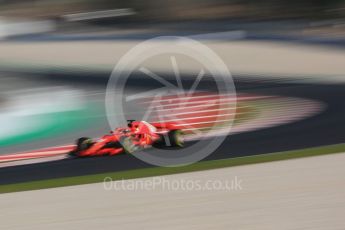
(138, 135)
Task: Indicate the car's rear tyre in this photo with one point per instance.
(176, 138)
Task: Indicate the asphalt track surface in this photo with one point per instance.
(322, 129)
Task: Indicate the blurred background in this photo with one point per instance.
(56, 56)
(37, 16)
(287, 59)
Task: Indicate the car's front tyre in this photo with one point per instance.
(82, 144)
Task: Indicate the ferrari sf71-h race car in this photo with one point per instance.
(137, 136)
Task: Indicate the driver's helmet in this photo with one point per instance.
(143, 127)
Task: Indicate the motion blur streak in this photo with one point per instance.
(286, 59)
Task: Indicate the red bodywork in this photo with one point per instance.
(142, 134)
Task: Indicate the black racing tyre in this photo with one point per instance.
(84, 143)
(176, 138)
